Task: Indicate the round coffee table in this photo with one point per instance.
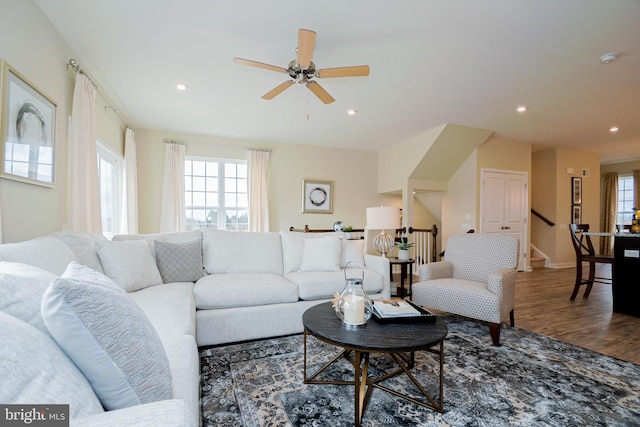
(395, 339)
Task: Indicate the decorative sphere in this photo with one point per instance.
(338, 226)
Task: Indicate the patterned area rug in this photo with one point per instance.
(530, 380)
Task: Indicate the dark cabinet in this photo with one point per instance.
(626, 274)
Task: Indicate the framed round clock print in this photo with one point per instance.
(317, 196)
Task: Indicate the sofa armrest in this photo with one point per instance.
(169, 413)
(380, 265)
(503, 283)
(435, 270)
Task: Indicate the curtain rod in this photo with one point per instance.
(78, 70)
(175, 141)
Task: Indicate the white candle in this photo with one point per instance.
(353, 309)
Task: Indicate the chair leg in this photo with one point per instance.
(512, 319)
(592, 276)
(494, 329)
(576, 287)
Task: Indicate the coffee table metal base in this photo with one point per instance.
(363, 385)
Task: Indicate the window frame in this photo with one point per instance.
(625, 187)
(109, 155)
(221, 207)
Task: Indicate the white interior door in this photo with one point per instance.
(504, 207)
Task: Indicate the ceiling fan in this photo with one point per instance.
(302, 70)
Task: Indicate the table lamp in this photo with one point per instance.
(383, 218)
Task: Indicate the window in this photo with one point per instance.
(216, 194)
(110, 169)
(625, 199)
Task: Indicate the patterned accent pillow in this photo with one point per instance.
(179, 262)
(108, 337)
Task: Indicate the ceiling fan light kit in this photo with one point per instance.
(302, 69)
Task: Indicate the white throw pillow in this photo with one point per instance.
(321, 254)
(35, 370)
(352, 250)
(109, 338)
(21, 289)
(84, 246)
(130, 264)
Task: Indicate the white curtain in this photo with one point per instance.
(84, 188)
(130, 186)
(257, 171)
(172, 216)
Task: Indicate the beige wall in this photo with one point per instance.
(30, 44)
(625, 167)
(553, 170)
(353, 174)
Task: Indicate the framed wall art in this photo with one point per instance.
(317, 196)
(576, 214)
(28, 130)
(576, 190)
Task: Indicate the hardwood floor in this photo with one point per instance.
(543, 306)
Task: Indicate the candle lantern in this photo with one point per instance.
(354, 307)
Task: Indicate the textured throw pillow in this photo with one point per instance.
(21, 289)
(108, 337)
(352, 250)
(35, 370)
(179, 262)
(130, 264)
(321, 254)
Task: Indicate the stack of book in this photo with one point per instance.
(400, 311)
(395, 309)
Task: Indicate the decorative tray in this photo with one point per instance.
(424, 316)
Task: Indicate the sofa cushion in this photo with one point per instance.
(130, 264)
(179, 262)
(21, 289)
(321, 285)
(243, 290)
(35, 370)
(171, 308)
(48, 253)
(352, 250)
(241, 252)
(293, 247)
(84, 246)
(108, 337)
(321, 254)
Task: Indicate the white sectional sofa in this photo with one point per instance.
(165, 295)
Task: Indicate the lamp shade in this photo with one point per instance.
(383, 218)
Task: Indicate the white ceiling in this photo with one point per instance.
(465, 62)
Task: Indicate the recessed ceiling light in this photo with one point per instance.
(614, 129)
(521, 108)
(181, 86)
(352, 112)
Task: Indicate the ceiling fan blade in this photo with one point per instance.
(278, 89)
(259, 65)
(306, 42)
(320, 92)
(355, 71)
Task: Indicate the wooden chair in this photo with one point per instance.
(586, 253)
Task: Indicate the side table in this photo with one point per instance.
(404, 265)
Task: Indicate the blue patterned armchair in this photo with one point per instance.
(476, 279)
